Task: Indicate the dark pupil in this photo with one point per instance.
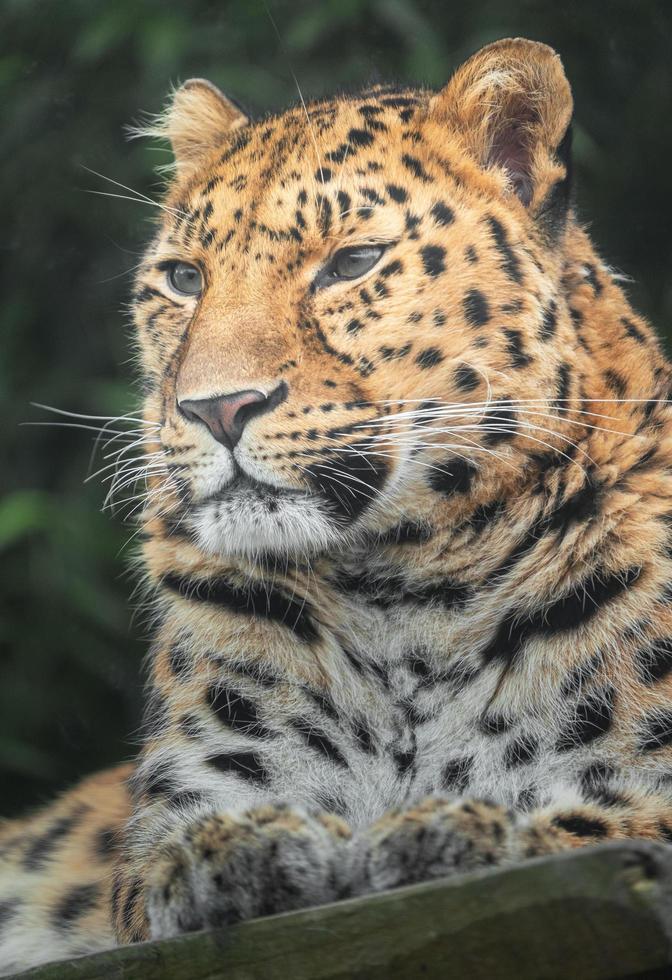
(186, 278)
(355, 263)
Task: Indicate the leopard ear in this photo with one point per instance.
(512, 104)
(197, 122)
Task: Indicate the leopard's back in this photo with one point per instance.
(56, 872)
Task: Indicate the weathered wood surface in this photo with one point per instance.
(599, 914)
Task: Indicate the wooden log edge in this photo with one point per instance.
(596, 914)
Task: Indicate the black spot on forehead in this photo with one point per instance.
(476, 308)
(324, 214)
(371, 194)
(442, 214)
(433, 259)
(392, 268)
(397, 193)
(416, 168)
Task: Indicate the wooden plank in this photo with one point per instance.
(598, 914)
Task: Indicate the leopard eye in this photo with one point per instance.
(349, 263)
(185, 278)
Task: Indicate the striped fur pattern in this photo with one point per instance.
(417, 619)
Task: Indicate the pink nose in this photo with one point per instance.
(227, 415)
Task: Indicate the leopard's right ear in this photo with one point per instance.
(512, 105)
(196, 122)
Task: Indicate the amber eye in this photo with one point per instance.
(349, 263)
(185, 279)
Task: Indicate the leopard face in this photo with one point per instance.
(347, 305)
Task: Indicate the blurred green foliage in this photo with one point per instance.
(72, 74)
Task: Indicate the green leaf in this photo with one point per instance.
(23, 513)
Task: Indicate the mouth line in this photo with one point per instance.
(243, 481)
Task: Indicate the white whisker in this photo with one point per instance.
(139, 196)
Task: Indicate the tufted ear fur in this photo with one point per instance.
(512, 105)
(197, 121)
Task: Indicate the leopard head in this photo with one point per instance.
(346, 304)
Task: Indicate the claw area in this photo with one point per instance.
(226, 868)
(431, 839)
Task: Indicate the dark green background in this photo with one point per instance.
(73, 73)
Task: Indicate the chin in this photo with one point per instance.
(255, 522)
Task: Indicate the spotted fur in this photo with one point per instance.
(416, 618)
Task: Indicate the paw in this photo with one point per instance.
(225, 868)
(434, 838)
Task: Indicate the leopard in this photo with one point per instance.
(407, 532)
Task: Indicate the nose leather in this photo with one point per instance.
(227, 415)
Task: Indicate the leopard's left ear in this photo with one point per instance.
(512, 105)
(197, 122)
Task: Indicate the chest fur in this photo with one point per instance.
(411, 711)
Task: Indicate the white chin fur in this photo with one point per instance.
(249, 524)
